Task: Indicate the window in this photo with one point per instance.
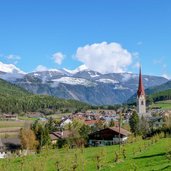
(142, 102)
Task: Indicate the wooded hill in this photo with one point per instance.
(14, 99)
(161, 96)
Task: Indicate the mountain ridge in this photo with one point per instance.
(84, 85)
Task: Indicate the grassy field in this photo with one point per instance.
(140, 156)
(11, 128)
(163, 104)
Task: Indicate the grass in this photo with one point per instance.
(24, 118)
(58, 116)
(163, 104)
(153, 157)
(6, 124)
(11, 128)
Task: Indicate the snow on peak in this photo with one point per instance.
(79, 69)
(94, 74)
(128, 76)
(10, 68)
(108, 81)
(73, 81)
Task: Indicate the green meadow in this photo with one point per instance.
(142, 155)
(163, 104)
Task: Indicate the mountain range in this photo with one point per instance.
(80, 84)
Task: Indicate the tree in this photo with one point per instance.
(42, 134)
(134, 123)
(51, 124)
(143, 126)
(28, 139)
(149, 100)
(85, 131)
(111, 123)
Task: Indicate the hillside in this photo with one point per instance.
(161, 95)
(159, 88)
(155, 95)
(14, 99)
(142, 155)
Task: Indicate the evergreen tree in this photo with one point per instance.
(134, 123)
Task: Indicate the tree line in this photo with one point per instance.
(14, 99)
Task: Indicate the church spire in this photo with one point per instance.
(140, 86)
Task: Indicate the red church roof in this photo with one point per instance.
(140, 86)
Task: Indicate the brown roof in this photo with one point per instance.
(53, 137)
(58, 135)
(90, 122)
(122, 131)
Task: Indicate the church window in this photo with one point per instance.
(142, 102)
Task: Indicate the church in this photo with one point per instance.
(141, 100)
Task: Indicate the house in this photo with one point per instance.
(65, 122)
(2, 150)
(9, 117)
(90, 122)
(55, 136)
(9, 145)
(108, 136)
(156, 122)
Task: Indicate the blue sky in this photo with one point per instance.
(33, 31)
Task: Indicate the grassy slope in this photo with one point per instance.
(162, 104)
(152, 158)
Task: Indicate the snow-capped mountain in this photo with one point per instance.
(80, 84)
(88, 86)
(10, 72)
(79, 69)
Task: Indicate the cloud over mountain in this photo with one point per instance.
(58, 58)
(10, 68)
(105, 57)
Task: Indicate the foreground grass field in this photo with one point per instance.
(163, 104)
(143, 155)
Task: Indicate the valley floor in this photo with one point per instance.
(143, 155)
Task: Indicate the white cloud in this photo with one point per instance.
(105, 57)
(162, 66)
(58, 57)
(136, 55)
(41, 68)
(10, 68)
(13, 57)
(137, 65)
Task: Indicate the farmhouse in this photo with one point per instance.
(8, 117)
(9, 145)
(65, 122)
(108, 136)
(55, 136)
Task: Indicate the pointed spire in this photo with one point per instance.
(140, 86)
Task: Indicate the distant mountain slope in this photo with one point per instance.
(160, 91)
(159, 88)
(85, 85)
(14, 99)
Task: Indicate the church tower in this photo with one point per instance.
(141, 102)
